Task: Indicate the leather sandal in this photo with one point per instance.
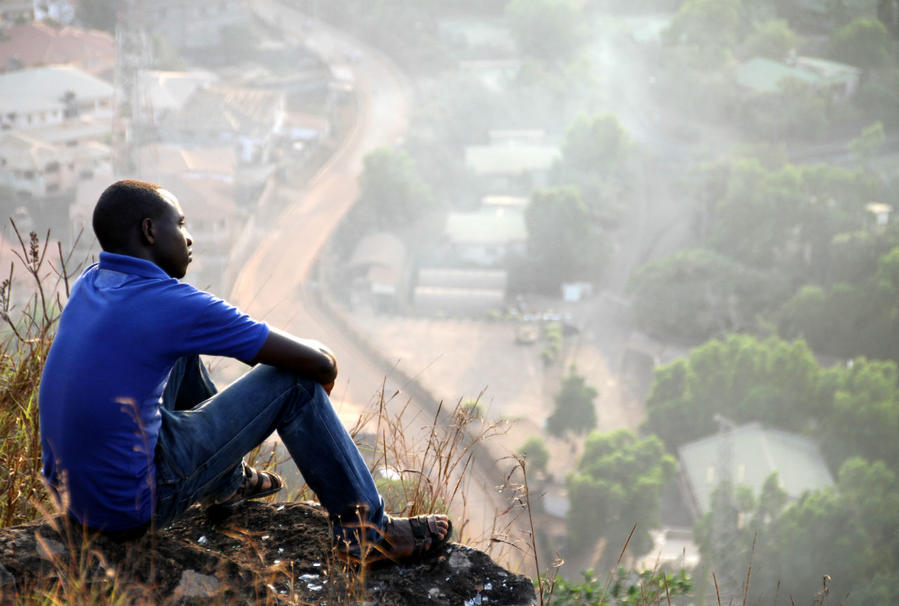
(402, 539)
(252, 487)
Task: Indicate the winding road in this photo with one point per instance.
(274, 282)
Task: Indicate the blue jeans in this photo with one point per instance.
(206, 433)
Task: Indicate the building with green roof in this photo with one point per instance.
(763, 75)
(754, 453)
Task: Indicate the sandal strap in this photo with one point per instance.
(418, 530)
(252, 486)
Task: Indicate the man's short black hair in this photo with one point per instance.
(120, 210)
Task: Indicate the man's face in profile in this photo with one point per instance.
(173, 241)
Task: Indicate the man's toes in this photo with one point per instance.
(442, 523)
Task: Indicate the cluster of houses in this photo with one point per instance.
(472, 273)
(68, 128)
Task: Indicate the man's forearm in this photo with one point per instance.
(305, 357)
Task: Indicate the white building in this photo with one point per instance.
(755, 453)
(54, 96)
(36, 168)
(487, 236)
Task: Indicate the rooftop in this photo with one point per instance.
(45, 87)
(497, 225)
(510, 158)
(235, 109)
(166, 158)
(170, 90)
(757, 453)
(37, 44)
(765, 75)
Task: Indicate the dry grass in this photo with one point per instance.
(30, 323)
(422, 465)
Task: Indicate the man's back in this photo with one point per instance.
(125, 325)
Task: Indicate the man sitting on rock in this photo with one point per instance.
(133, 430)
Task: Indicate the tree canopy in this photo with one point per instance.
(537, 455)
(562, 244)
(851, 410)
(849, 532)
(779, 235)
(863, 42)
(390, 189)
(551, 30)
(574, 410)
(772, 381)
(618, 483)
(697, 294)
(710, 25)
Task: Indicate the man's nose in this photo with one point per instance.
(189, 238)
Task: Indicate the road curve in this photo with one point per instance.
(273, 283)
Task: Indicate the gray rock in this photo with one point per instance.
(6, 578)
(196, 585)
(49, 549)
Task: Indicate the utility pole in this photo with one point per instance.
(133, 111)
(725, 545)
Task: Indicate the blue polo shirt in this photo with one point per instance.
(123, 328)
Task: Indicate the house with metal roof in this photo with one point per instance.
(249, 119)
(29, 45)
(487, 236)
(513, 161)
(754, 453)
(762, 75)
(54, 95)
(32, 167)
(379, 272)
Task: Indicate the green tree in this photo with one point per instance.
(391, 193)
(618, 483)
(698, 294)
(594, 159)
(745, 379)
(863, 42)
(796, 111)
(851, 319)
(595, 144)
(562, 243)
(879, 97)
(869, 143)
(864, 419)
(786, 217)
(574, 407)
(550, 30)
(709, 25)
(773, 39)
(536, 453)
(736, 517)
(849, 532)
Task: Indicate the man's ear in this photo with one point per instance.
(147, 231)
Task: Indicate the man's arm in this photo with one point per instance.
(303, 356)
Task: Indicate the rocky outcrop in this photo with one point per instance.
(262, 553)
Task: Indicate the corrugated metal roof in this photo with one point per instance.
(487, 226)
(510, 158)
(757, 453)
(45, 87)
